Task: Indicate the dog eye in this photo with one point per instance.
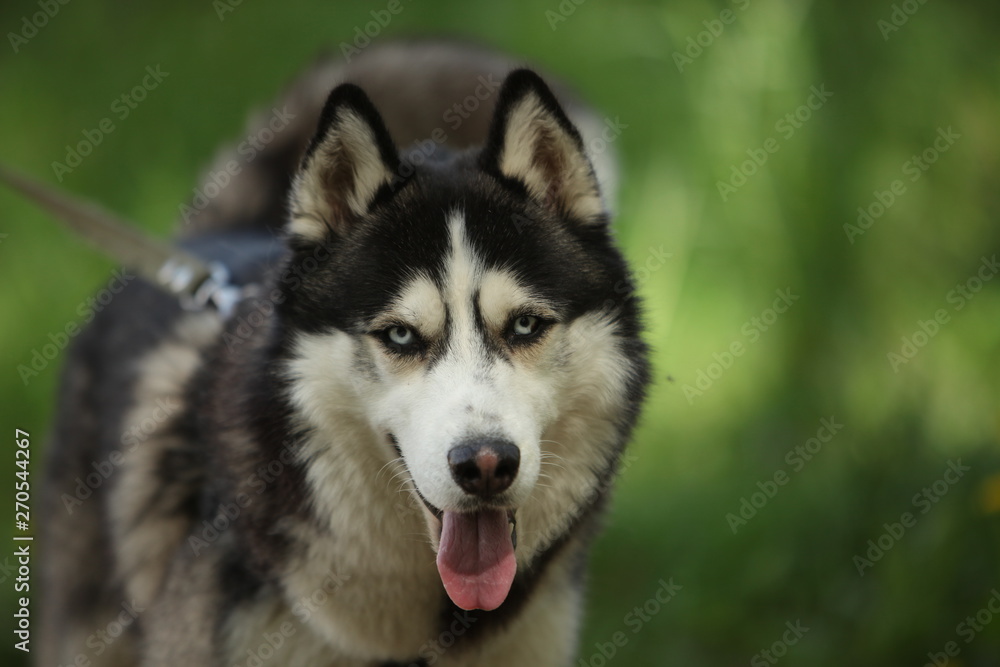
(400, 339)
(525, 329)
(525, 325)
(400, 335)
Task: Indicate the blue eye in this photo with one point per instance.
(525, 325)
(400, 335)
(401, 340)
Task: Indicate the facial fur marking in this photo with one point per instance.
(419, 304)
(462, 270)
(501, 296)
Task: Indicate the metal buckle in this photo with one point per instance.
(175, 276)
(216, 291)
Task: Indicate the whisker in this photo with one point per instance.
(402, 473)
(552, 464)
(554, 442)
(547, 456)
(380, 470)
(402, 488)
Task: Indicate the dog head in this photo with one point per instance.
(474, 314)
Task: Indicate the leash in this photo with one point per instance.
(196, 283)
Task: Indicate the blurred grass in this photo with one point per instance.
(695, 459)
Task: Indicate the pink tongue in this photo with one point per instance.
(476, 558)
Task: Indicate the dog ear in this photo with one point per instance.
(349, 163)
(533, 142)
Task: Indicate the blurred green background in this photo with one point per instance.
(702, 92)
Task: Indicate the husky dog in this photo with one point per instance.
(396, 449)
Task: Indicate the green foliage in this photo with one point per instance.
(706, 89)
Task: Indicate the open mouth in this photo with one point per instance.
(476, 555)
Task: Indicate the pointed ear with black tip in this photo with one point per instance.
(350, 162)
(533, 142)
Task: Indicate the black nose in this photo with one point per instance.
(484, 467)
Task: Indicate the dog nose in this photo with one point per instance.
(484, 467)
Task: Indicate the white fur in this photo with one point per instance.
(466, 394)
(379, 550)
(420, 306)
